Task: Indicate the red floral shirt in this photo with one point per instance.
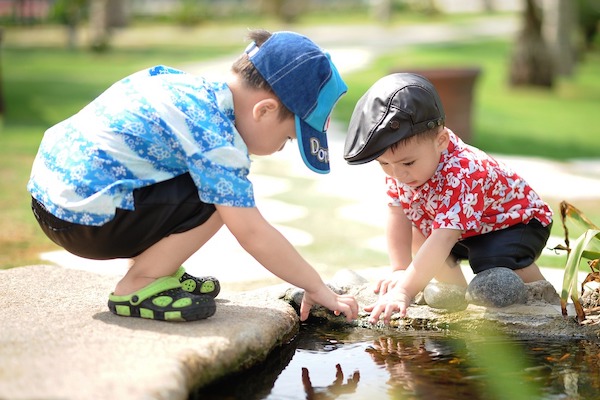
(471, 192)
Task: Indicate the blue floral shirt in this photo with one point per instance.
(149, 127)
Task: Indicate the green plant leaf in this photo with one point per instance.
(570, 285)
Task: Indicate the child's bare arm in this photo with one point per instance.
(430, 257)
(399, 238)
(270, 248)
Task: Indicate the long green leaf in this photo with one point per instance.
(570, 284)
(569, 210)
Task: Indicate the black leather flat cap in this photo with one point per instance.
(396, 107)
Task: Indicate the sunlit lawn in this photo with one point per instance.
(44, 85)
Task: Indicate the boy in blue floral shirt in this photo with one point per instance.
(153, 167)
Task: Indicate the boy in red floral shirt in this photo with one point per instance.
(449, 200)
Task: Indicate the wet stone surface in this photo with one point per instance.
(536, 313)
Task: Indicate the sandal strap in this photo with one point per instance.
(179, 273)
(198, 285)
(158, 286)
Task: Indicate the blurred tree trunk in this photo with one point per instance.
(70, 13)
(117, 13)
(559, 29)
(531, 63)
(2, 107)
(381, 10)
(589, 21)
(285, 10)
(73, 18)
(99, 25)
(488, 6)
(105, 15)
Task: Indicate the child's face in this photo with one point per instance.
(276, 134)
(264, 131)
(415, 161)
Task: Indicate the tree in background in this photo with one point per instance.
(589, 20)
(2, 109)
(70, 13)
(560, 31)
(285, 10)
(102, 15)
(554, 37)
(531, 63)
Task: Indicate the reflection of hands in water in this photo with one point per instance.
(419, 366)
(384, 347)
(402, 360)
(332, 391)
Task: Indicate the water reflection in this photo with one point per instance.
(333, 362)
(424, 367)
(337, 388)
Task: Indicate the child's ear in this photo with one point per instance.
(265, 107)
(443, 139)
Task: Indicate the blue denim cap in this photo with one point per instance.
(305, 80)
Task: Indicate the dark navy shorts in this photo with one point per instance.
(515, 247)
(168, 207)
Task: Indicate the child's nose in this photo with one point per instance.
(398, 171)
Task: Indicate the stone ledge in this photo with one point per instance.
(537, 317)
(59, 341)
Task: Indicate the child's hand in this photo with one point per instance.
(393, 300)
(387, 284)
(340, 304)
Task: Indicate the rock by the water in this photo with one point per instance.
(496, 287)
(445, 296)
(542, 291)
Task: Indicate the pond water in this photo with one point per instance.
(334, 362)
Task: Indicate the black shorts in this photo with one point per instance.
(515, 247)
(168, 207)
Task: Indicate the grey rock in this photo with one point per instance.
(445, 296)
(542, 291)
(496, 287)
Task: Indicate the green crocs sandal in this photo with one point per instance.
(204, 285)
(164, 300)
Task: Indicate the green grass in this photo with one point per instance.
(45, 84)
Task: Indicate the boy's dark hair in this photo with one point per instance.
(250, 75)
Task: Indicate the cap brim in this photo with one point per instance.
(313, 147)
(366, 159)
